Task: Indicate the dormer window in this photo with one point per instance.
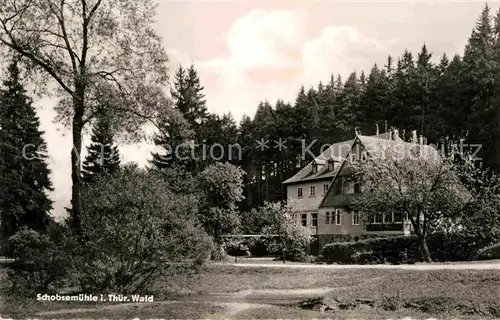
(314, 167)
(317, 164)
(331, 165)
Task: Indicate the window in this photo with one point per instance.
(325, 188)
(313, 191)
(331, 165)
(357, 188)
(327, 218)
(349, 187)
(398, 217)
(355, 218)
(364, 156)
(314, 220)
(388, 218)
(299, 192)
(304, 219)
(378, 218)
(338, 219)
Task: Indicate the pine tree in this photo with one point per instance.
(189, 101)
(422, 81)
(103, 157)
(448, 117)
(389, 68)
(403, 102)
(480, 87)
(188, 95)
(350, 102)
(247, 142)
(24, 174)
(495, 141)
(373, 101)
(443, 64)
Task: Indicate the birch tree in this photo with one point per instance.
(85, 52)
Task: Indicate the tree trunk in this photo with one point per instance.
(424, 249)
(76, 200)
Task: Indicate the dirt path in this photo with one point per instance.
(260, 297)
(491, 265)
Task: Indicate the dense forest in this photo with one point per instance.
(457, 98)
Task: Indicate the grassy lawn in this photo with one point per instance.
(357, 282)
(443, 292)
(395, 293)
(148, 311)
(223, 279)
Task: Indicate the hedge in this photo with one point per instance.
(489, 253)
(405, 249)
(256, 247)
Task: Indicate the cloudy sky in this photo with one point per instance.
(248, 51)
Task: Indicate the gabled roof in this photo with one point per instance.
(380, 148)
(337, 152)
(325, 202)
(319, 161)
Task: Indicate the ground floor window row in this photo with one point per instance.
(336, 217)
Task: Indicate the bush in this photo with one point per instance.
(236, 247)
(339, 252)
(42, 263)
(254, 246)
(489, 253)
(219, 253)
(136, 230)
(405, 249)
(291, 239)
(258, 247)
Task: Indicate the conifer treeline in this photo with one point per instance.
(457, 98)
(24, 174)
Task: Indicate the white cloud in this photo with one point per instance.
(261, 38)
(339, 49)
(270, 57)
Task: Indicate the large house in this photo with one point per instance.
(324, 193)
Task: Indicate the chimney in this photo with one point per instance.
(385, 126)
(378, 132)
(421, 140)
(414, 138)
